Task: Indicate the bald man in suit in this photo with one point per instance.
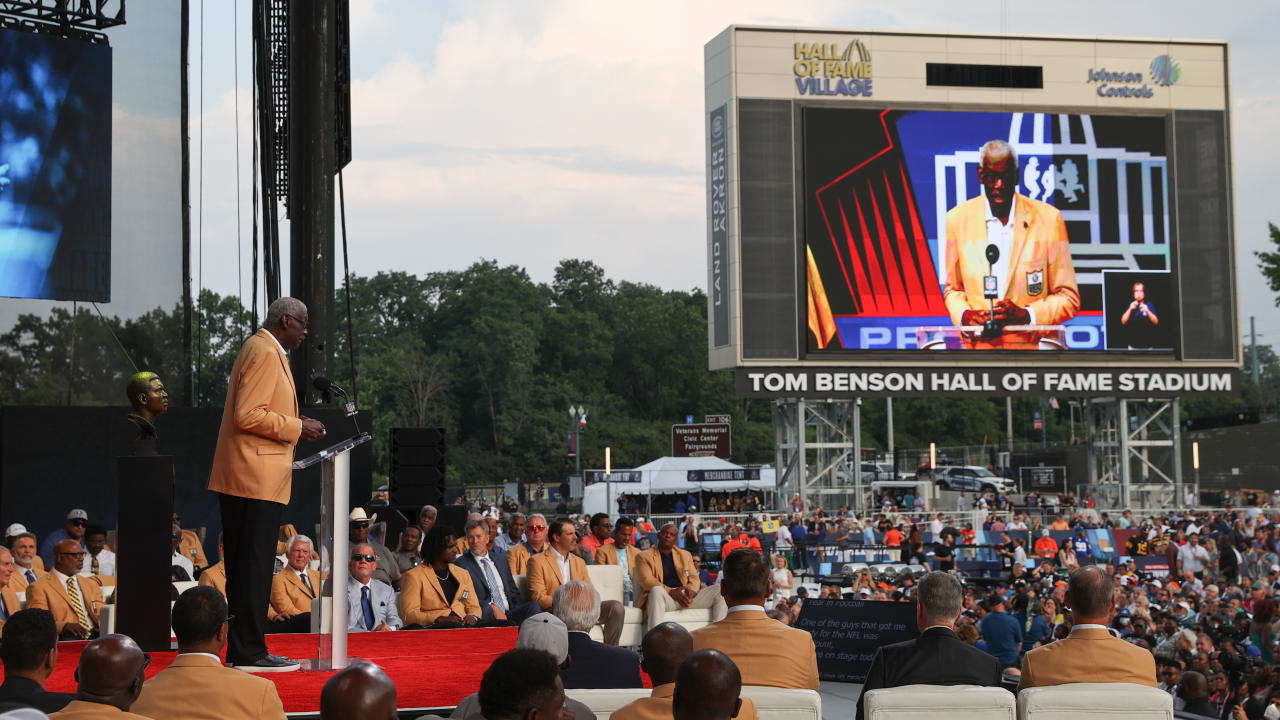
(77, 617)
(1090, 653)
(253, 474)
(765, 651)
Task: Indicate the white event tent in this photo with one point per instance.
(669, 475)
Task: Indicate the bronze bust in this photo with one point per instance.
(147, 395)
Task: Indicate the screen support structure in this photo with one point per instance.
(335, 501)
(838, 469)
(59, 18)
(1135, 451)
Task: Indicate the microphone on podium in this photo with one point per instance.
(324, 385)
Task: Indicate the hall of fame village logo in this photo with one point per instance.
(827, 69)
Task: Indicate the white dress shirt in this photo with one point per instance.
(1001, 235)
(106, 563)
(563, 561)
(74, 589)
(489, 570)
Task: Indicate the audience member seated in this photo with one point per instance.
(109, 679)
(371, 603)
(522, 684)
(196, 685)
(407, 557)
(190, 547)
(496, 591)
(11, 535)
(460, 542)
(98, 560)
(544, 632)
(708, 686)
(287, 531)
(30, 652)
(559, 564)
(667, 580)
(30, 566)
(765, 651)
(215, 576)
(1001, 632)
(72, 529)
(1090, 653)
(8, 597)
(937, 656)
(622, 553)
(534, 544)
(361, 691)
(665, 648)
(388, 569)
(74, 600)
(1193, 690)
(599, 534)
(426, 519)
(514, 534)
(437, 593)
(293, 589)
(591, 664)
(182, 569)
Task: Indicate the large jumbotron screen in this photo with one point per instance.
(899, 234)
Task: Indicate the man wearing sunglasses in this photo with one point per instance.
(371, 604)
(73, 528)
(253, 475)
(75, 600)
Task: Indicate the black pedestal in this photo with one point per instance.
(144, 558)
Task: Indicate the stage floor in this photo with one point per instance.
(431, 668)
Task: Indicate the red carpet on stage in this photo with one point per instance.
(431, 668)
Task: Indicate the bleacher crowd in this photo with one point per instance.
(1182, 601)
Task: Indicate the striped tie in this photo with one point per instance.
(77, 605)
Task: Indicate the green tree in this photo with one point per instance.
(1269, 262)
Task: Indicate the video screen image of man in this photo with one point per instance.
(1140, 318)
(1020, 246)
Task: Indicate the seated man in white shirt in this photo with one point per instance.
(371, 604)
(98, 560)
(182, 569)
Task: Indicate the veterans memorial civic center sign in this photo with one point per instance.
(818, 382)
(700, 440)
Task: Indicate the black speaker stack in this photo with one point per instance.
(416, 475)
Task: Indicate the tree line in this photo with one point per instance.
(497, 359)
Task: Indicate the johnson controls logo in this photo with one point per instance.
(1165, 71)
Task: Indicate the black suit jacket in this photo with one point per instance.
(596, 665)
(29, 693)
(937, 657)
(468, 562)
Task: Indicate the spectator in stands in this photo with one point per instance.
(215, 576)
(599, 535)
(426, 518)
(765, 651)
(439, 594)
(407, 557)
(8, 597)
(1193, 690)
(514, 534)
(109, 679)
(592, 664)
(559, 564)
(181, 570)
(496, 590)
(74, 600)
(371, 603)
(623, 554)
(388, 570)
(1193, 557)
(665, 648)
(30, 567)
(944, 553)
(189, 546)
(293, 589)
(798, 539)
(781, 579)
(30, 651)
(72, 529)
(1001, 631)
(361, 690)
(708, 687)
(666, 580)
(938, 656)
(704, 575)
(1046, 547)
(98, 560)
(521, 684)
(536, 543)
(196, 685)
(1090, 653)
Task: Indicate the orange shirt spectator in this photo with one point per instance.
(730, 546)
(1059, 524)
(1046, 547)
(893, 538)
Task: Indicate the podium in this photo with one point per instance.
(145, 550)
(1014, 337)
(335, 498)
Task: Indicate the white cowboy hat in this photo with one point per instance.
(358, 515)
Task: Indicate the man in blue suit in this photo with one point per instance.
(591, 664)
(371, 604)
(496, 589)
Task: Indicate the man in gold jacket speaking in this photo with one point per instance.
(1035, 283)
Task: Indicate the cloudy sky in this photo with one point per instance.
(530, 132)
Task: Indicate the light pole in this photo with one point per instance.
(575, 417)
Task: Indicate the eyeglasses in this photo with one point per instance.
(298, 320)
(360, 524)
(357, 557)
(79, 523)
(73, 554)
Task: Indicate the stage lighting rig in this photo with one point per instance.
(77, 19)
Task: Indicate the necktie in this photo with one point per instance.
(31, 578)
(367, 605)
(76, 604)
(495, 585)
(305, 582)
